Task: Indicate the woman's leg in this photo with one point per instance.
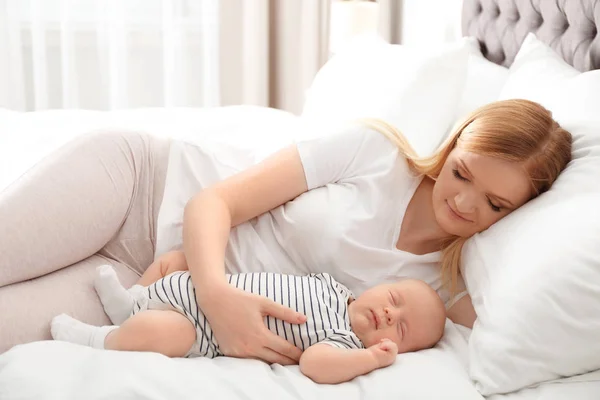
(28, 307)
(100, 191)
(159, 331)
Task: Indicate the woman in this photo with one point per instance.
(357, 204)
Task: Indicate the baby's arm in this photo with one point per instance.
(327, 364)
(164, 265)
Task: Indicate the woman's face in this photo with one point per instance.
(473, 191)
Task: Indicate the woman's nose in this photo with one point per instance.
(465, 202)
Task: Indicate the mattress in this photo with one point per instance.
(56, 370)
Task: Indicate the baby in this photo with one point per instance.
(343, 337)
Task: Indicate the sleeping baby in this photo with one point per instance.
(343, 336)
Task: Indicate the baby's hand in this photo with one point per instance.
(385, 352)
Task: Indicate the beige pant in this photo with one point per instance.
(94, 201)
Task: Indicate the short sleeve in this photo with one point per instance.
(344, 340)
(343, 154)
(461, 291)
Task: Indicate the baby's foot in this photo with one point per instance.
(117, 301)
(70, 330)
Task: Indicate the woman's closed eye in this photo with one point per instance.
(458, 175)
(494, 207)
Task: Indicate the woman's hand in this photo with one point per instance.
(237, 320)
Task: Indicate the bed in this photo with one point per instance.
(56, 370)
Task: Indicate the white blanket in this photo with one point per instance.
(25, 138)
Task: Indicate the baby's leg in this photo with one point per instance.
(165, 332)
(117, 301)
(164, 265)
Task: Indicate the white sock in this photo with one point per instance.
(118, 302)
(70, 330)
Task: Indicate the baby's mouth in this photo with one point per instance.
(375, 319)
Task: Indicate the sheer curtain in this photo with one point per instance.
(418, 22)
(271, 50)
(108, 54)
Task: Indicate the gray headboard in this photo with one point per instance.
(569, 26)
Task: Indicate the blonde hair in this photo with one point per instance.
(519, 131)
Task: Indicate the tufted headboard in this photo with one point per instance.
(570, 27)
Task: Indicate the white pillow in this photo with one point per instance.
(484, 83)
(534, 277)
(540, 74)
(416, 91)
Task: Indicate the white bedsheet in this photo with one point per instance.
(54, 370)
(63, 371)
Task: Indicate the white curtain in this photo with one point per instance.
(271, 50)
(420, 22)
(108, 54)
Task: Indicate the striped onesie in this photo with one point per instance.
(323, 300)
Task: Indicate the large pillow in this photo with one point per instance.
(417, 91)
(534, 277)
(484, 83)
(540, 74)
(421, 91)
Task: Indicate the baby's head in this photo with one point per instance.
(409, 313)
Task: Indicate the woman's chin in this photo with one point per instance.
(453, 227)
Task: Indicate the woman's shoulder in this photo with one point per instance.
(345, 134)
(368, 137)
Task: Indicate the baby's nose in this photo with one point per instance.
(389, 317)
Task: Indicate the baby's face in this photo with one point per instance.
(409, 312)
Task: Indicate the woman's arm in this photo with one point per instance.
(462, 312)
(236, 317)
(326, 364)
(210, 214)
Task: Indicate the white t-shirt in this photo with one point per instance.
(347, 224)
